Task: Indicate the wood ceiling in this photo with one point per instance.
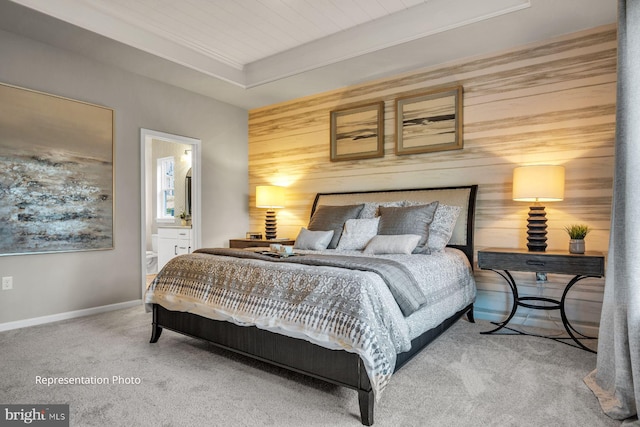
(256, 52)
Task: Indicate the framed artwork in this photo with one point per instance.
(357, 132)
(56, 187)
(430, 121)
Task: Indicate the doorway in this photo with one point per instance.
(163, 202)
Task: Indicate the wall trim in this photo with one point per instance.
(67, 315)
(146, 138)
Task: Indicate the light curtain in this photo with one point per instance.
(616, 380)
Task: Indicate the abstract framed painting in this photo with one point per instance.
(429, 121)
(357, 132)
(56, 188)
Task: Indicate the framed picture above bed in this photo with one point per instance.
(56, 155)
(429, 121)
(357, 132)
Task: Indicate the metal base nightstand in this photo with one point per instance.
(501, 261)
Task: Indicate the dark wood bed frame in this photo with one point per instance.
(335, 366)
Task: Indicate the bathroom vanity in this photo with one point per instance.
(173, 240)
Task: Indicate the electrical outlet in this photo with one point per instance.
(7, 283)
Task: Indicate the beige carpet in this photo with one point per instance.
(462, 379)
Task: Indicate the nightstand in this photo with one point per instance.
(256, 243)
(581, 266)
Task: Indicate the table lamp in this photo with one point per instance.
(538, 183)
(270, 197)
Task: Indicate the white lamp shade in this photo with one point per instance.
(538, 183)
(269, 196)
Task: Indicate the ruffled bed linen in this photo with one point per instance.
(332, 307)
(449, 278)
(446, 277)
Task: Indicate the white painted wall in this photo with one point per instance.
(50, 284)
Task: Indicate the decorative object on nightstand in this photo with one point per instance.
(538, 183)
(270, 197)
(577, 233)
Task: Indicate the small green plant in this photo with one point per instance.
(577, 231)
(183, 215)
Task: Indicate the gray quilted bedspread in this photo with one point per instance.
(400, 281)
(337, 308)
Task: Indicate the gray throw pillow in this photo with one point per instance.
(442, 226)
(408, 220)
(370, 209)
(327, 218)
(313, 240)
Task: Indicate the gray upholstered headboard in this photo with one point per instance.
(464, 196)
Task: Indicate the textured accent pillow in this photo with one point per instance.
(408, 220)
(389, 244)
(441, 228)
(313, 240)
(357, 233)
(370, 209)
(333, 218)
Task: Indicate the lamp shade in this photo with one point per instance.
(538, 183)
(269, 196)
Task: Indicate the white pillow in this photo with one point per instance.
(441, 228)
(370, 209)
(392, 244)
(357, 233)
(313, 240)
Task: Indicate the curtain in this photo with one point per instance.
(616, 379)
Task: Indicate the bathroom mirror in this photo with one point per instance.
(187, 193)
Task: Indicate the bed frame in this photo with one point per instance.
(334, 366)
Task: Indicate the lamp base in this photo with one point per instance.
(270, 225)
(537, 229)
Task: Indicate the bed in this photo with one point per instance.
(348, 307)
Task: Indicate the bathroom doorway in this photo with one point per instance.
(171, 194)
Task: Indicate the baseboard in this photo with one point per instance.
(478, 314)
(68, 315)
(535, 322)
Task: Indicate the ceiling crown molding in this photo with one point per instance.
(423, 20)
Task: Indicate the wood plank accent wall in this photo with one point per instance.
(551, 102)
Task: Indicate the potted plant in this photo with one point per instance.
(183, 217)
(577, 233)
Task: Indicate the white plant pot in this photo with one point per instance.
(576, 246)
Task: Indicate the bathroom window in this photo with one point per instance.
(166, 193)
